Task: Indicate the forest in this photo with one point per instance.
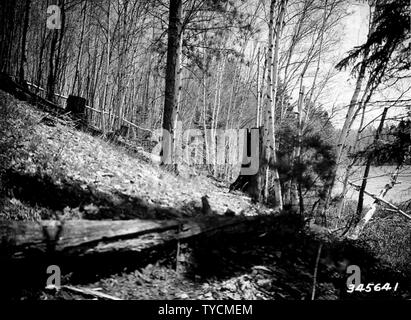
(133, 127)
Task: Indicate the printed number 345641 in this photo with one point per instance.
(372, 287)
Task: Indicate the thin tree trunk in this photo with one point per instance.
(119, 111)
(58, 69)
(368, 165)
(103, 122)
(50, 78)
(76, 74)
(298, 150)
(290, 53)
(206, 146)
(23, 42)
(216, 111)
(39, 75)
(318, 62)
(317, 260)
(269, 131)
(219, 95)
(262, 92)
(232, 99)
(349, 168)
(177, 132)
(349, 117)
(257, 115)
(55, 57)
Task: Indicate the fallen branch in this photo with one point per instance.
(316, 270)
(85, 291)
(370, 213)
(398, 210)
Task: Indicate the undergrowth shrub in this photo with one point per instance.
(389, 235)
(14, 209)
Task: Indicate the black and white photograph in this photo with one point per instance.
(223, 152)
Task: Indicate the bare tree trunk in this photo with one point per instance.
(7, 33)
(23, 42)
(293, 44)
(119, 106)
(368, 165)
(177, 127)
(206, 145)
(262, 92)
(215, 114)
(349, 117)
(269, 130)
(80, 51)
(39, 75)
(232, 100)
(148, 77)
(220, 80)
(318, 62)
(171, 83)
(257, 115)
(349, 167)
(55, 57)
(50, 78)
(103, 108)
(298, 150)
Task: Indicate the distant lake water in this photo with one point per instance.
(378, 178)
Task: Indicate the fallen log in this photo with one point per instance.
(83, 237)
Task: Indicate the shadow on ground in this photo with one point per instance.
(58, 193)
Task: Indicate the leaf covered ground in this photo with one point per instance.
(70, 158)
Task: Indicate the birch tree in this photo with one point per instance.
(270, 146)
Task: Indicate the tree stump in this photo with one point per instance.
(77, 107)
(252, 183)
(123, 131)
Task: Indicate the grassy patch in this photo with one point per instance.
(15, 126)
(19, 151)
(389, 236)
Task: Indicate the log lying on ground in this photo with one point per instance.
(82, 237)
(20, 237)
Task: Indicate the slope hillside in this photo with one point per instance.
(50, 170)
(87, 174)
